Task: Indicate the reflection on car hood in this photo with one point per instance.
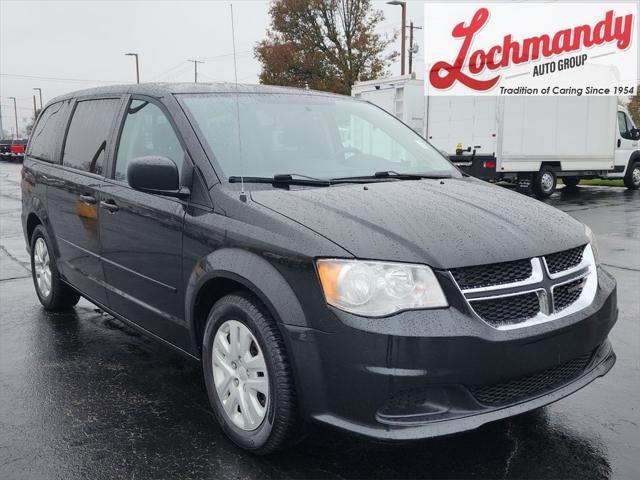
(445, 224)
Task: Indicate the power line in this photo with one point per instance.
(6, 105)
(61, 79)
(165, 72)
(224, 55)
(176, 73)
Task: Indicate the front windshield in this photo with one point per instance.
(317, 136)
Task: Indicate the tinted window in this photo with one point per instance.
(88, 133)
(48, 131)
(146, 131)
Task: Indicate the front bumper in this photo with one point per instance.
(418, 374)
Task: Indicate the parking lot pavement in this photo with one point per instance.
(84, 396)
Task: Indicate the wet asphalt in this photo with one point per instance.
(82, 396)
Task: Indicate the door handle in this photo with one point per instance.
(619, 143)
(88, 199)
(110, 205)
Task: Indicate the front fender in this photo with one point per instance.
(252, 271)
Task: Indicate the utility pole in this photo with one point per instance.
(412, 49)
(404, 32)
(15, 114)
(130, 54)
(40, 92)
(35, 108)
(195, 66)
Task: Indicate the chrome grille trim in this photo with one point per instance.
(587, 270)
(566, 253)
(569, 271)
(535, 277)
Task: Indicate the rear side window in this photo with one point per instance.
(47, 132)
(86, 144)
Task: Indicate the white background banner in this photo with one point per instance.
(559, 48)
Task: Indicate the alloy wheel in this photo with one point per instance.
(240, 375)
(42, 267)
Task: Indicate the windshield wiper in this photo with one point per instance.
(284, 180)
(390, 174)
(409, 176)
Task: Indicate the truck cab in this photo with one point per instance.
(627, 153)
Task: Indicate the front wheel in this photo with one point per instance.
(544, 182)
(248, 376)
(632, 177)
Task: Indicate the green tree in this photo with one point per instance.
(634, 107)
(324, 45)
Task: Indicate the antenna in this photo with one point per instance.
(243, 195)
(233, 40)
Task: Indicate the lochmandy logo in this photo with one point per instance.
(468, 66)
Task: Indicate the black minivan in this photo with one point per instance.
(319, 258)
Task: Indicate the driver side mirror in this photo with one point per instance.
(635, 133)
(155, 174)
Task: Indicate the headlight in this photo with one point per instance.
(594, 243)
(376, 289)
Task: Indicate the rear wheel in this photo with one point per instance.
(571, 182)
(52, 292)
(248, 375)
(544, 182)
(632, 177)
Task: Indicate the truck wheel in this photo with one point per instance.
(571, 182)
(544, 182)
(52, 292)
(248, 376)
(632, 177)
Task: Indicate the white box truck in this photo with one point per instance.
(530, 141)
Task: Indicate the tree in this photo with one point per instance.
(634, 107)
(31, 123)
(324, 45)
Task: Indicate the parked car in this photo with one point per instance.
(322, 261)
(529, 141)
(5, 147)
(12, 150)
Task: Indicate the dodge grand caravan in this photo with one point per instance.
(322, 261)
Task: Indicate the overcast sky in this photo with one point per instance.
(61, 46)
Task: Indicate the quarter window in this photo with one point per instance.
(86, 144)
(147, 131)
(46, 135)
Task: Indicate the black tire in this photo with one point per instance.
(571, 182)
(60, 296)
(632, 177)
(544, 182)
(280, 427)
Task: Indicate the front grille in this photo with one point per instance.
(565, 295)
(492, 274)
(558, 262)
(501, 311)
(532, 385)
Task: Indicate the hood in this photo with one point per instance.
(442, 223)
